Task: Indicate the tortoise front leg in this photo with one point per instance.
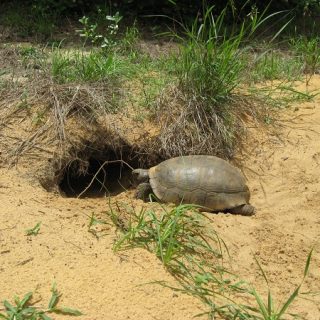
(143, 191)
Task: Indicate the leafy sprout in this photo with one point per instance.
(23, 309)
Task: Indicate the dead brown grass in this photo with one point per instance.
(50, 106)
(188, 127)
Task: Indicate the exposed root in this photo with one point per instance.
(98, 171)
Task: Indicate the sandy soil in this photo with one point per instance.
(284, 175)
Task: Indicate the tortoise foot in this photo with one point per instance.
(245, 210)
(143, 191)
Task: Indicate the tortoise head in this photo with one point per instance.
(140, 175)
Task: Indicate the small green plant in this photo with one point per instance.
(128, 42)
(94, 221)
(89, 31)
(105, 40)
(38, 118)
(24, 104)
(267, 311)
(34, 231)
(23, 309)
(28, 51)
(31, 57)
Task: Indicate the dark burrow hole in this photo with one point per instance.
(88, 179)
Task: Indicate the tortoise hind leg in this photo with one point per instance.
(143, 191)
(245, 209)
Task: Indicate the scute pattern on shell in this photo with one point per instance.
(203, 180)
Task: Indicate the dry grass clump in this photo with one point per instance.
(49, 106)
(188, 127)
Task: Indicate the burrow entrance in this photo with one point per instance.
(98, 174)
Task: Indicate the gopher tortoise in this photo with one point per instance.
(207, 181)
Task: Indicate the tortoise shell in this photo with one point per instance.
(206, 181)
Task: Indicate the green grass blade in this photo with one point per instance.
(67, 311)
(306, 268)
(35, 230)
(25, 299)
(262, 307)
(28, 311)
(281, 29)
(17, 301)
(260, 267)
(9, 306)
(270, 303)
(54, 297)
(289, 302)
(44, 317)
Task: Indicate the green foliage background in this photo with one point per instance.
(301, 7)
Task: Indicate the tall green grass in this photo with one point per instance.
(211, 60)
(210, 66)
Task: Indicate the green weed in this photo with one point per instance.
(23, 309)
(281, 95)
(107, 39)
(32, 57)
(28, 51)
(210, 64)
(23, 103)
(94, 221)
(128, 43)
(38, 118)
(171, 235)
(34, 231)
